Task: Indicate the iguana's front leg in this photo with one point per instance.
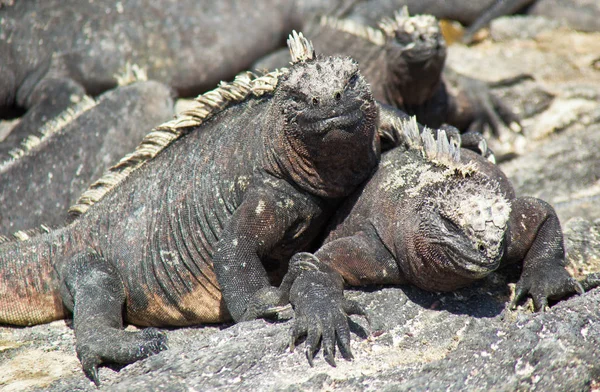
(316, 290)
(258, 225)
(535, 237)
(92, 289)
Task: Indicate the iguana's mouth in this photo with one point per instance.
(420, 54)
(338, 119)
(471, 265)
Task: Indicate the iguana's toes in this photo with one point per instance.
(154, 341)
(298, 330)
(328, 345)
(344, 344)
(314, 333)
(265, 303)
(89, 363)
(540, 303)
(590, 281)
(520, 292)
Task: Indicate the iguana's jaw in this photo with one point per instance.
(469, 262)
(324, 119)
(341, 117)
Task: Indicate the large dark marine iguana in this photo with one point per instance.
(197, 225)
(404, 61)
(435, 216)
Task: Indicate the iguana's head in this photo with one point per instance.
(461, 231)
(453, 214)
(415, 54)
(327, 142)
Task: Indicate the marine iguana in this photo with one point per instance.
(434, 216)
(51, 169)
(198, 223)
(52, 52)
(404, 61)
(577, 14)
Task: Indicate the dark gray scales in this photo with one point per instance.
(197, 225)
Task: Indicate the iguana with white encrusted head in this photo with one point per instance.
(434, 216)
(197, 225)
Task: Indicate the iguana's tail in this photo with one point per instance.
(29, 283)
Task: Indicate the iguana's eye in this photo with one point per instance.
(295, 98)
(450, 225)
(352, 81)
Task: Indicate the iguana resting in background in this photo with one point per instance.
(198, 223)
(577, 14)
(52, 52)
(404, 60)
(50, 171)
(434, 216)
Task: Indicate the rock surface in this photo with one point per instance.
(416, 340)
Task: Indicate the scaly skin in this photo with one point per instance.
(201, 232)
(428, 221)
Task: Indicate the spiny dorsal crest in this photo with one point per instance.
(402, 21)
(441, 150)
(206, 106)
(24, 235)
(301, 49)
(349, 26)
(48, 129)
(131, 73)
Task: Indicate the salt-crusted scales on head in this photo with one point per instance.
(477, 206)
(424, 25)
(207, 105)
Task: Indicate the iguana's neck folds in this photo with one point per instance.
(339, 154)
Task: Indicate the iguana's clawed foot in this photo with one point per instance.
(475, 142)
(329, 327)
(544, 284)
(321, 314)
(489, 109)
(133, 347)
(590, 281)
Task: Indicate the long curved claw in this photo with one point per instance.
(89, 364)
(314, 332)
